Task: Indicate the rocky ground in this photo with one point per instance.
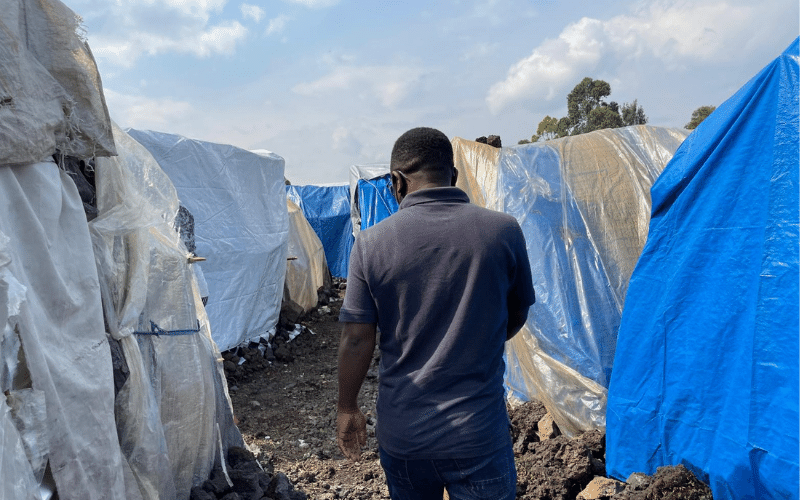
(284, 397)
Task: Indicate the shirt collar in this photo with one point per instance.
(431, 195)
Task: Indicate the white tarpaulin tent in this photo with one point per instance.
(238, 201)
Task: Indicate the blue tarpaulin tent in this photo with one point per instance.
(327, 209)
(375, 200)
(706, 367)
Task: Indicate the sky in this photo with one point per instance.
(327, 84)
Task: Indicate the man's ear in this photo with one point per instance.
(455, 177)
(400, 186)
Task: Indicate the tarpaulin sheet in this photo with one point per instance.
(583, 204)
(59, 323)
(706, 370)
(327, 209)
(375, 200)
(51, 96)
(173, 411)
(238, 201)
(305, 268)
(358, 173)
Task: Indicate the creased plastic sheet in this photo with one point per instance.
(169, 408)
(583, 205)
(307, 271)
(17, 477)
(327, 209)
(706, 369)
(238, 201)
(60, 324)
(50, 95)
(363, 173)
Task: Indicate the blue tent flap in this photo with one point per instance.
(327, 209)
(375, 200)
(706, 366)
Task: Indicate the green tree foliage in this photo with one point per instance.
(698, 115)
(603, 117)
(588, 111)
(585, 97)
(633, 114)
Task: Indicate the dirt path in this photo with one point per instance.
(285, 402)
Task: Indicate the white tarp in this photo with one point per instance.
(51, 96)
(238, 201)
(174, 406)
(60, 326)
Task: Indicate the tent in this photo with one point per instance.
(327, 209)
(172, 411)
(583, 204)
(238, 201)
(370, 198)
(306, 269)
(706, 369)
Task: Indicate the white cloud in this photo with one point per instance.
(345, 141)
(315, 4)
(133, 28)
(146, 113)
(253, 12)
(676, 34)
(389, 84)
(220, 39)
(277, 25)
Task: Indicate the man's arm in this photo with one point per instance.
(516, 320)
(356, 346)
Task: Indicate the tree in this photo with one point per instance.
(698, 115)
(602, 117)
(633, 114)
(585, 97)
(587, 111)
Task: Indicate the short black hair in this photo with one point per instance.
(425, 150)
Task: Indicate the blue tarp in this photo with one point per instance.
(706, 368)
(375, 200)
(327, 209)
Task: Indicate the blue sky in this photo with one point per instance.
(331, 83)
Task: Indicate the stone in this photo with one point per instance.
(601, 488)
(638, 481)
(547, 428)
(198, 493)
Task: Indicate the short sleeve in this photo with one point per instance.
(521, 293)
(359, 305)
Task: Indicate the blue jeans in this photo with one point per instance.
(491, 477)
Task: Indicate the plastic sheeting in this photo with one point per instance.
(375, 200)
(583, 204)
(364, 173)
(706, 370)
(306, 270)
(174, 406)
(51, 96)
(238, 201)
(327, 209)
(60, 327)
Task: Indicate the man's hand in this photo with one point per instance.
(351, 433)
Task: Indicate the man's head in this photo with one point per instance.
(421, 158)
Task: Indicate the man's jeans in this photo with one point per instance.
(492, 476)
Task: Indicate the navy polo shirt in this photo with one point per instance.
(439, 277)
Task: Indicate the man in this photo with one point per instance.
(448, 283)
